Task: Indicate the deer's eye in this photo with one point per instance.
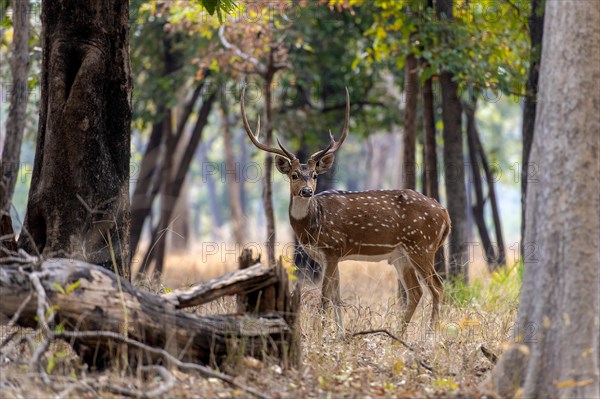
(294, 176)
(315, 176)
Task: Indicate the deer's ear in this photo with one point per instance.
(282, 164)
(325, 163)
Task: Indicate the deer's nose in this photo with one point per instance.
(306, 192)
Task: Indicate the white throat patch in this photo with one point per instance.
(299, 207)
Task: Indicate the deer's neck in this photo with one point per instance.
(300, 208)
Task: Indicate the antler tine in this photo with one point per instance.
(333, 145)
(288, 153)
(254, 137)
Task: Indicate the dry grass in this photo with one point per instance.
(371, 365)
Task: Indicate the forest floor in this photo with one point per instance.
(447, 362)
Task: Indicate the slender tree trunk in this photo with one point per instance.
(148, 179)
(454, 177)
(148, 183)
(557, 341)
(79, 197)
(15, 123)
(178, 178)
(430, 162)
(490, 179)
(268, 179)
(167, 201)
(536, 29)
(180, 234)
(478, 207)
(233, 178)
(411, 90)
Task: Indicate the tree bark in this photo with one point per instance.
(536, 29)
(411, 94)
(79, 198)
(558, 318)
(233, 178)
(15, 122)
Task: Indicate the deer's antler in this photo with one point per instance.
(254, 137)
(333, 145)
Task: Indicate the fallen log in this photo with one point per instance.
(87, 297)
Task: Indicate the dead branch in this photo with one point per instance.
(392, 336)
(241, 282)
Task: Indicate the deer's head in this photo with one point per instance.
(302, 176)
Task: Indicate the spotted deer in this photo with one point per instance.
(371, 226)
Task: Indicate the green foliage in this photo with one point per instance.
(485, 45)
(219, 6)
(501, 292)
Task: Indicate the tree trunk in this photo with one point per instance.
(167, 201)
(15, 122)
(453, 161)
(179, 237)
(233, 178)
(536, 29)
(490, 179)
(558, 318)
(268, 179)
(148, 179)
(148, 183)
(478, 207)
(178, 178)
(411, 92)
(454, 177)
(430, 162)
(79, 198)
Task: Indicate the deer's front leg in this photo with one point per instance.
(331, 294)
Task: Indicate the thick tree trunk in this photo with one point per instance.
(411, 94)
(15, 123)
(79, 198)
(558, 318)
(233, 179)
(536, 29)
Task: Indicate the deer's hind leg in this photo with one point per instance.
(424, 264)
